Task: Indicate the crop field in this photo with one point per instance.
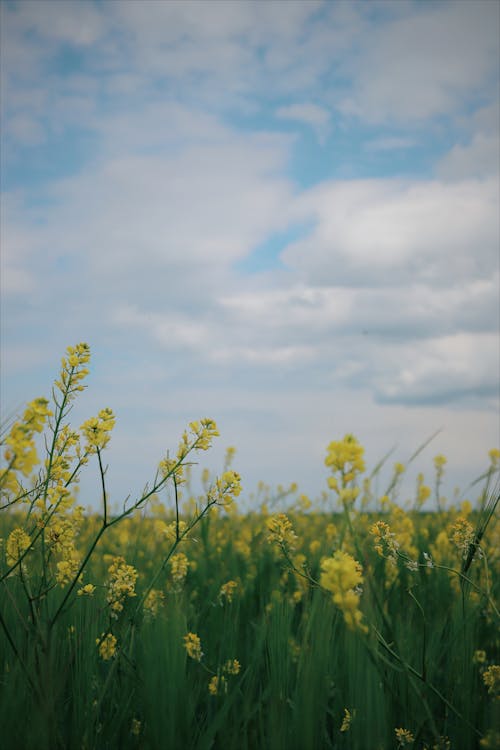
(353, 621)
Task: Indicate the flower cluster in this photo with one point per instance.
(404, 737)
(385, 542)
(227, 487)
(20, 453)
(97, 430)
(347, 720)
(73, 370)
(179, 565)
(17, 543)
(491, 678)
(462, 536)
(154, 601)
(227, 591)
(192, 644)
(342, 575)
(345, 456)
(121, 585)
(87, 590)
(219, 682)
(439, 464)
(423, 491)
(107, 646)
(200, 438)
(281, 533)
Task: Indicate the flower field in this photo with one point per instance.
(182, 622)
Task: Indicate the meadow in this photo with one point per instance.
(351, 621)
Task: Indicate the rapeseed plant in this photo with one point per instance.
(192, 644)
(491, 678)
(342, 575)
(404, 737)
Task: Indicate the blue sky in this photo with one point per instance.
(281, 215)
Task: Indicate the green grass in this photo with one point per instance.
(301, 666)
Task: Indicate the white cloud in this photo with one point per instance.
(479, 158)
(444, 369)
(75, 23)
(389, 230)
(425, 64)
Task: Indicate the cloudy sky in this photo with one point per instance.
(282, 215)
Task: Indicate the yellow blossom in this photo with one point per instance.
(107, 646)
(179, 565)
(97, 430)
(192, 644)
(227, 591)
(135, 727)
(87, 590)
(385, 543)
(342, 576)
(217, 682)
(491, 740)
(494, 455)
(17, 543)
(404, 737)
(491, 678)
(232, 666)
(227, 487)
(345, 456)
(479, 657)
(154, 602)
(121, 585)
(462, 535)
(347, 720)
(281, 533)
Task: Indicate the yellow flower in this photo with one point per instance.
(192, 644)
(179, 565)
(494, 455)
(479, 657)
(227, 487)
(342, 576)
(20, 453)
(385, 543)
(439, 464)
(121, 585)
(135, 727)
(347, 720)
(404, 737)
(73, 370)
(491, 741)
(17, 543)
(345, 456)
(97, 430)
(87, 590)
(462, 535)
(107, 646)
(216, 684)
(491, 678)
(281, 533)
(154, 602)
(232, 666)
(227, 591)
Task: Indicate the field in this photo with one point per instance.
(181, 622)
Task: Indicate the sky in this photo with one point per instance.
(280, 215)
